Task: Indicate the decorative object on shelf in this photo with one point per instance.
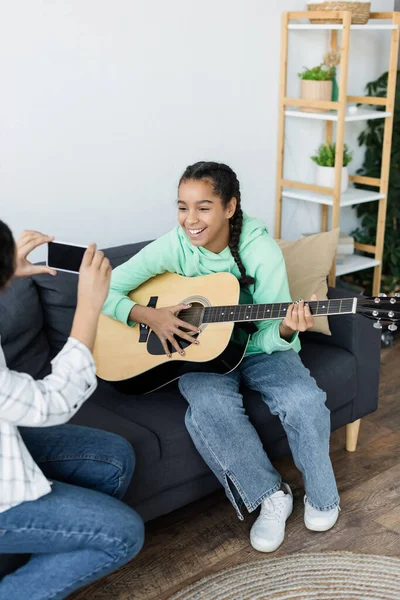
(345, 248)
(372, 138)
(316, 84)
(332, 61)
(360, 11)
(352, 110)
(325, 159)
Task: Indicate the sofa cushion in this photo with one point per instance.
(58, 299)
(334, 370)
(155, 426)
(58, 296)
(308, 262)
(120, 254)
(161, 412)
(24, 342)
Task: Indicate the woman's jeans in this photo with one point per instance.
(80, 531)
(230, 445)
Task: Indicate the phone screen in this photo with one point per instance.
(65, 257)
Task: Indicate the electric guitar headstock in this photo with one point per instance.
(381, 309)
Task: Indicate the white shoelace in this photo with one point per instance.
(272, 508)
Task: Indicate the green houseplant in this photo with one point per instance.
(325, 159)
(372, 138)
(319, 73)
(316, 84)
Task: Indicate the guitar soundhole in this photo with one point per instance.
(192, 315)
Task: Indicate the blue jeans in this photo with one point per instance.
(230, 445)
(80, 531)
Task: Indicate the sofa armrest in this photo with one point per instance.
(350, 332)
(357, 335)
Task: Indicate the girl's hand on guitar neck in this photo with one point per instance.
(166, 325)
(298, 318)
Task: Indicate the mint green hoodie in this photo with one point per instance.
(174, 253)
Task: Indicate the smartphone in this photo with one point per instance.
(64, 256)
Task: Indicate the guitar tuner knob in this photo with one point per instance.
(397, 295)
(382, 295)
(378, 325)
(393, 327)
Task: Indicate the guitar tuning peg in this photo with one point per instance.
(382, 295)
(393, 300)
(393, 327)
(378, 324)
(397, 295)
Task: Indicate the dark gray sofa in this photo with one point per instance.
(35, 320)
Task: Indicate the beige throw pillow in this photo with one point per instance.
(308, 262)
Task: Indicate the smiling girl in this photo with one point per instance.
(214, 236)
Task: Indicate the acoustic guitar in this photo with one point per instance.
(135, 358)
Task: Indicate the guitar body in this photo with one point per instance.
(142, 366)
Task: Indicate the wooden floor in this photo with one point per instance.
(206, 536)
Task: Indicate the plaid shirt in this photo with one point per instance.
(30, 403)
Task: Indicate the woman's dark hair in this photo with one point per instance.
(7, 255)
(226, 186)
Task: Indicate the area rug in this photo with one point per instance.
(324, 576)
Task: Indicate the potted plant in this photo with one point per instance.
(316, 84)
(325, 159)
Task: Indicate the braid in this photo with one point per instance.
(236, 230)
(227, 186)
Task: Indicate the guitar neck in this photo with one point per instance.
(261, 312)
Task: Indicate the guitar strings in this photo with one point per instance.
(335, 304)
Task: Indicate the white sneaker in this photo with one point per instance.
(268, 531)
(319, 520)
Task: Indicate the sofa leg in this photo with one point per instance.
(352, 431)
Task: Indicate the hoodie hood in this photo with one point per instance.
(206, 262)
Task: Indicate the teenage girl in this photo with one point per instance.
(214, 236)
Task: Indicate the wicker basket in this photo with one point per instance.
(360, 11)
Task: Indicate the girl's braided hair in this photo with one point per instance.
(226, 186)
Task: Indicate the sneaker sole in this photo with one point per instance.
(317, 527)
(263, 547)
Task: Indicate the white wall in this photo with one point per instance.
(103, 104)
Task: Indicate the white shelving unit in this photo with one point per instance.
(356, 263)
(338, 27)
(349, 198)
(338, 112)
(361, 115)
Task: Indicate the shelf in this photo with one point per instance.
(335, 115)
(361, 115)
(349, 198)
(334, 26)
(356, 263)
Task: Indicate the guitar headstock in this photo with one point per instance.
(382, 309)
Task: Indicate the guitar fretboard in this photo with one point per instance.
(262, 312)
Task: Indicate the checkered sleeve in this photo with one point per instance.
(56, 398)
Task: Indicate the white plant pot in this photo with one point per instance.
(326, 177)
